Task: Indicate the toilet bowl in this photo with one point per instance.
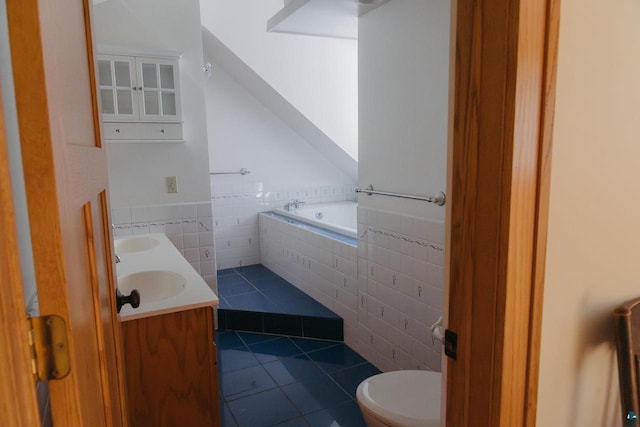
(401, 399)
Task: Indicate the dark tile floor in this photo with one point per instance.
(253, 298)
(270, 380)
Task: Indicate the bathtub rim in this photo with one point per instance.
(349, 232)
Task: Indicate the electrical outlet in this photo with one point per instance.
(172, 184)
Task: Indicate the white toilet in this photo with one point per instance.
(401, 399)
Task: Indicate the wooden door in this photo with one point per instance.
(17, 379)
(66, 183)
(499, 172)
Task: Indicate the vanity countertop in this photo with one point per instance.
(155, 253)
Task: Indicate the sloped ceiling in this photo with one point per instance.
(270, 98)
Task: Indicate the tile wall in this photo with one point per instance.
(189, 226)
(236, 203)
(400, 282)
(388, 288)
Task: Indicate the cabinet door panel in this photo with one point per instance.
(117, 88)
(160, 100)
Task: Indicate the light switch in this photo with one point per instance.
(172, 184)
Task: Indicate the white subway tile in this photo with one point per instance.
(421, 250)
(189, 211)
(407, 226)
(212, 281)
(401, 358)
(177, 241)
(420, 312)
(420, 270)
(121, 216)
(433, 297)
(196, 266)
(192, 255)
(190, 240)
(373, 218)
(158, 213)
(139, 214)
(174, 228)
(437, 233)
(362, 283)
(141, 228)
(436, 256)
(419, 351)
(363, 216)
(395, 261)
(435, 275)
(391, 315)
(205, 238)
(402, 338)
(434, 361)
(205, 223)
(189, 226)
(207, 268)
(121, 232)
(157, 228)
(388, 221)
(419, 331)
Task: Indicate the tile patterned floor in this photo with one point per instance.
(270, 380)
(253, 298)
(257, 288)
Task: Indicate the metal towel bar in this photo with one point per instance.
(439, 199)
(242, 171)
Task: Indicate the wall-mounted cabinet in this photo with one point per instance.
(140, 98)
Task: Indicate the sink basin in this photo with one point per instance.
(135, 244)
(154, 285)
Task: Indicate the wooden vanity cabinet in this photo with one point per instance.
(171, 370)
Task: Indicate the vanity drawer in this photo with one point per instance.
(142, 131)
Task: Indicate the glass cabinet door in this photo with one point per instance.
(159, 97)
(117, 81)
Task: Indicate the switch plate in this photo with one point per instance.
(172, 184)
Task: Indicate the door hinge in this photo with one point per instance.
(49, 347)
(451, 344)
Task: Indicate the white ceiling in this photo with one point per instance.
(327, 18)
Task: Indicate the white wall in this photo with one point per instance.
(593, 255)
(403, 80)
(245, 134)
(137, 171)
(15, 164)
(318, 75)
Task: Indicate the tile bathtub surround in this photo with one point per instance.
(321, 267)
(268, 380)
(189, 226)
(236, 203)
(388, 290)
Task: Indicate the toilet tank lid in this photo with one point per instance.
(407, 398)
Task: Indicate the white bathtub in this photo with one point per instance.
(341, 217)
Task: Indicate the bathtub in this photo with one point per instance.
(341, 217)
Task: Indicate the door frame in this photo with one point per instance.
(499, 192)
(499, 176)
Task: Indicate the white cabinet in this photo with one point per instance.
(137, 92)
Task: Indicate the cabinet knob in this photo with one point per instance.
(161, 130)
(133, 298)
(117, 130)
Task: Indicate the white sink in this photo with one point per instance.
(135, 244)
(153, 285)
